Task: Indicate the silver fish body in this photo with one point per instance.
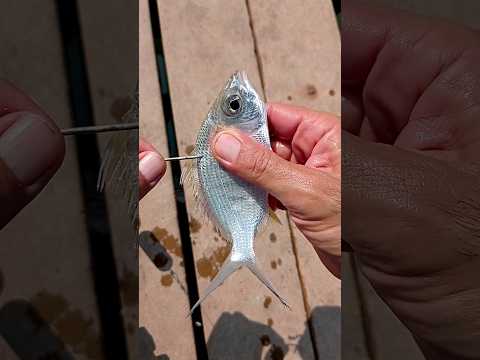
(237, 208)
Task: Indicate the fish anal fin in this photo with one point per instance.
(227, 269)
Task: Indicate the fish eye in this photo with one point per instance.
(232, 105)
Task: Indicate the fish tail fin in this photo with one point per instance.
(254, 269)
(227, 269)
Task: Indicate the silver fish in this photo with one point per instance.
(237, 208)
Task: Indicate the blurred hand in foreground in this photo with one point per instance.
(301, 174)
(151, 167)
(31, 150)
(411, 194)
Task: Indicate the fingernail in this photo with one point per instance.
(227, 147)
(28, 147)
(151, 167)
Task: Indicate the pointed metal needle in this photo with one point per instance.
(99, 128)
(117, 127)
(178, 158)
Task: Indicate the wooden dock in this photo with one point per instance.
(291, 54)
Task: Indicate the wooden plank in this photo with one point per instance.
(204, 42)
(163, 298)
(111, 54)
(299, 50)
(44, 253)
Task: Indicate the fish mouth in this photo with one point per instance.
(239, 77)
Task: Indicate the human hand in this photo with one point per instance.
(411, 195)
(302, 174)
(31, 150)
(151, 167)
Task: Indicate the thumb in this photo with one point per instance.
(294, 185)
(31, 150)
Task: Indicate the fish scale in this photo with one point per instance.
(237, 208)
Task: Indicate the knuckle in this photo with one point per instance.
(258, 163)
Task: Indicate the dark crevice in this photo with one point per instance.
(256, 50)
(102, 261)
(306, 305)
(182, 214)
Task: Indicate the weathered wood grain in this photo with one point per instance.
(44, 255)
(204, 42)
(299, 52)
(163, 299)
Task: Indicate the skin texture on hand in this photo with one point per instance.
(411, 195)
(31, 150)
(151, 167)
(302, 174)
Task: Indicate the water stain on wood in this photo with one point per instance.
(49, 306)
(208, 266)
(267, 302)
(195, 225)
(189, 149)
(331, 92)
(170, 242)
(311, 90)
(166, 280)
(273, 237)
(273, 264)
(270, 322)
(120, 107)
(71, 324)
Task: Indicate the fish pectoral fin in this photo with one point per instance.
(225, 271)
(254, 269)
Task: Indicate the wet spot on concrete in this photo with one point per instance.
(265, 340)
(311, 90)
(189, 149)
(270, 322)
(166, 280)
(289, 98)
(331, 92)
(208, 266)
(195, 225)
(170, 242)
(267, 302)
(273, 237)
(120, 107)
(273, 264)
(129, 287)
